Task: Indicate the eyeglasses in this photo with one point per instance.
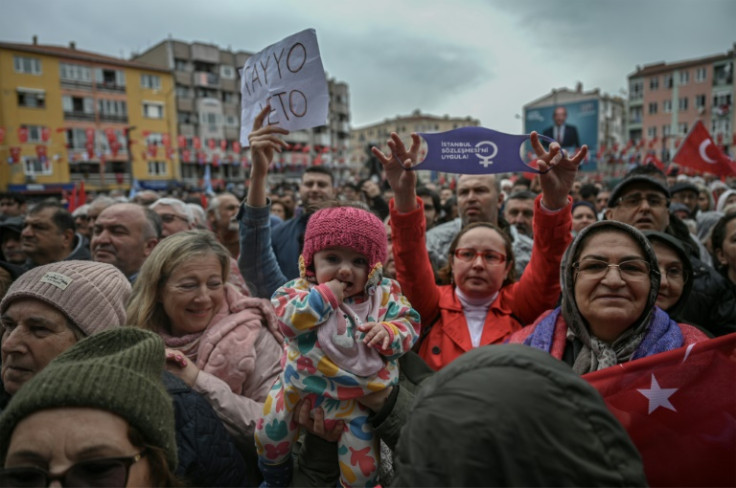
(169, 218)
(491, 258)
(629, 270)
(675, 273)
(635, 199)
(103, 472)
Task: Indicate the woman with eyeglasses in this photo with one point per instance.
(609, 313)
(479, 301)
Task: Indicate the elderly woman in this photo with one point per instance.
(480, 304)
(220, 342)
(50, 308)
(608, 315)
(98, 415)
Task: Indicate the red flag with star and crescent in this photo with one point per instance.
(679, 408)
(699, 152)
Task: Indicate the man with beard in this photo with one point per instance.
(49, 235)
(124, 235)
(221, 213)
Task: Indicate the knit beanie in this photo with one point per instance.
(119, 371)
(92, 295)
(350, 227)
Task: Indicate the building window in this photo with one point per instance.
(152, 82)
(684, 77)
(31, 66)
(154, 139)
(33, 166)
(75, 72)
(157, 168)
(682, 128)
(700, 102)
(721, 99)
(82, 108)
(654, 83)
(181, 65)
(667, 106)
(700, 75)
(227, 72)
(668, 81)
(635, 115)
(653, 107)
(636, 90)
(666, 130)
(183, 91)
(682, 104)
(231, 121)
(76, 138)
(115, 110)
(112, 79)
(651, 132)
(153, 110)
(31, 98)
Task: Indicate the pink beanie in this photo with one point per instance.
(350, 227)
(92, 295)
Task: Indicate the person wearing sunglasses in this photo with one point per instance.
(608, 315)
(97, 416)
(479, 301)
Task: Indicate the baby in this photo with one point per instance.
(345, 327)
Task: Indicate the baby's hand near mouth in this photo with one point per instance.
(338, 289)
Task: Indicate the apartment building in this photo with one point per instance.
(68, 115)
(208, 108)
(666, 99)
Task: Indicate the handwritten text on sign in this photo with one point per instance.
(289, 76)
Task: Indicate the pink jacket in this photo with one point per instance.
(239, 359)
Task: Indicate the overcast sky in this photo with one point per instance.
(484, 59)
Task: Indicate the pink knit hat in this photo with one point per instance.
(350, 227)
(92, 295)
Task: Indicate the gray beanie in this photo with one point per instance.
(119, 371)
(92, 295)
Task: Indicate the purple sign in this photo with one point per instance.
(475, 150)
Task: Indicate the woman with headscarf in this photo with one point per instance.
(675, 272)
(608, 314)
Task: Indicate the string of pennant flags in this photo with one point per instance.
(194, 152)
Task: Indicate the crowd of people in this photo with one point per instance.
(380, 332)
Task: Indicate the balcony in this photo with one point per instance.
(110, 87)
(183, 78)
(114, 118)
(207, 80)
(79, 116)
(185, 105)
(101, 180)
(76, 85)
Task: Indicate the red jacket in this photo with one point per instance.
(517, 304)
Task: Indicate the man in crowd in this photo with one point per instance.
(11, 249)
(562, 132)
(124, 235)
(12, 205)
(431, 205)
(175, 215)
(221, 213)
(49, 235)
(685, 193)
(519, 210)
(643, 200)
(478, 198)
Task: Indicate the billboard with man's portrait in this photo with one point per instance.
(580, 126)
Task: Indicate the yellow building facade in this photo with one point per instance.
(68, 116)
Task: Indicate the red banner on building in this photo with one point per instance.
(197, 143)
(181, 141)
(45, 134)
(186, 155)
(679, 407)
(14, 155)
(166, 140)
(236, 147)
(2, 135)
(211, 144)
(223, 144)
(90, 133)
(23, 134)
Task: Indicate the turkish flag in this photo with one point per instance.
(186, 155)
(41, 151)
(182, 141)
(90, 133)
(197, 143)
(23, 134)
(223, 144)
(45, 134)
(653, 159)
(166, 140)
(2, 135)
(211, 144)
(699, 152)
(14, 155)
(111, 137)
(679, 407)
(236, 147)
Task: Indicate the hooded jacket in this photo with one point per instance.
(506, 415)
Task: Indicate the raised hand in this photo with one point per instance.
(264, 141)
(401, 181)
(559, 170)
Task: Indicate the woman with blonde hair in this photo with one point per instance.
(223, 344)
